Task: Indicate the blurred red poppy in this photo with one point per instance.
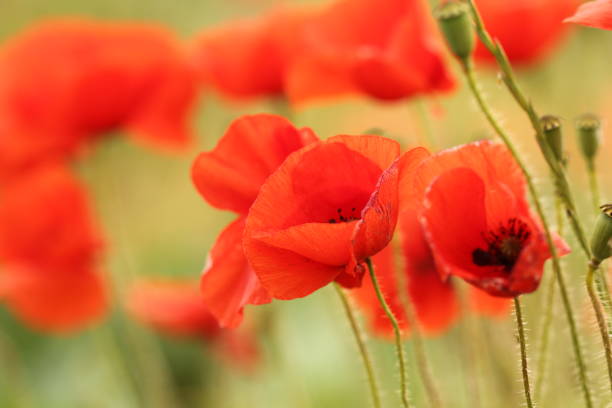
(527, 29)
(229, 177)
(596, 14)
(309, 227)
(175, 307)
(63, 82)
(477, 220)
(49, 248)
(387, 51)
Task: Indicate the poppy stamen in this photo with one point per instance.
(503, 245)
(342, 218)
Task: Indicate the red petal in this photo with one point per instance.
(483, 303)
(539, 32)
(596, 14)
(434, 301)
(228, 282)
(229, 177)
(173, 307)
(54, 301)
(454, 220)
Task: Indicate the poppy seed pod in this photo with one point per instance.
(454, 20)
(602, 234)
(589, 129)
(551, 125)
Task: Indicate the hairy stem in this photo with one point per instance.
(523, 343)
(361, 345)
(601, 318)
(398, 337)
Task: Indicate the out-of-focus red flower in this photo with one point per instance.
(229, 177)
(477, 220)
(310, 227)
(527, 29)
(63, 82)
(175, 307)
(387, 51)
(596, 14)
(48, 251)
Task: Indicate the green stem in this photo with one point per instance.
(396, 330)
(601, 318)
(523, 343)
(426, 124)
(469, 73)
(594, 185)
(361, 345)
(419, 347)
(548, 317)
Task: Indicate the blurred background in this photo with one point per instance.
(156, 225)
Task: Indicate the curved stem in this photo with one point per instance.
(523, 343)
(361, 345)
(601, 318)
(469, 73)
(396, 331)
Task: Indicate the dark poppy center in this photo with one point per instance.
(504, 245)
(344, 215)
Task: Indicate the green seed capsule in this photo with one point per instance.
(589, 130)
(551, 125)
(456, 25)
(601, 240)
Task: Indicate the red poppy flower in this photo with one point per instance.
(229, 177)
(527, 29)
(323, 211)
(434, 301)
(64, 81)
(175, 308)
(596, 14)
(477, 220)
(48, 250)
(386, 50)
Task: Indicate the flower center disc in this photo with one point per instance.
(504, 245)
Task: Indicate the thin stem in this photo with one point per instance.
(426, 124)
(469, 73)
(601, 318)
(547, 318)
(521, 334)
(361, 345)
(594, 185)
(396, 330)
(416, 336)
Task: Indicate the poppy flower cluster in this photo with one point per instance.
(330, 205)
(175, 308)
(63, 85)
(386, 51)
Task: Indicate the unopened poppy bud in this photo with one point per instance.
(589, 129)
(551, 125)
(456, 25)
(601, 240)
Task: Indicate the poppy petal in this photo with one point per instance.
(492, 306)
(228, 282)
(229, 177)
(596, 14)
(53, 300)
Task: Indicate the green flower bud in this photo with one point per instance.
(589, 130)
(601, 241)
(456, 25)
(551, 125)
